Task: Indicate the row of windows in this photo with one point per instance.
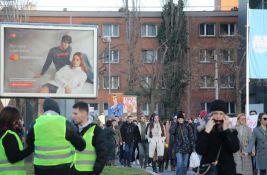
(225, 55)
(145, 82)
(151, 30)
(231, 107)
(113, 30)
(225, 81)
(151, 55)
(147, 56)
(209, 29)
(144, 107)
(206, 81)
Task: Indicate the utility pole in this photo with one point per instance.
(107, 39)
(216, 78)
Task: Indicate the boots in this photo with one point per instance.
(161, 165)
(172, 165)
(166, 164)
(154, 166)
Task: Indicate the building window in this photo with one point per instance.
(105, 106)
(206, 55)
(205, 106)
(111, 30)
(114, 81)
(114, 56)
(231, 107)
(227, 29)
(227, 55)
(145, 109)
(227, 81)
(149, 56)
(149, 30)
(207, 30)
(146, 82)
(94, 105)
(207, 81)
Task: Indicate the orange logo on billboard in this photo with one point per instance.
(14, 57)
(12, 35)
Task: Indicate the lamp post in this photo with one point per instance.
(216, 78)
(107, 39)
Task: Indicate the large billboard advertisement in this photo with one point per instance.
(48, 61)
(120, 105)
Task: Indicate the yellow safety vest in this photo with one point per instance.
(6, 168)
(85, 160)
(50, 145)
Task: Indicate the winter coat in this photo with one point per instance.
(142, 131)
(260, 139)
(110, 142)
(130, 133)
(243, 163)
(157, 141)
(208, 145)
(184, 138)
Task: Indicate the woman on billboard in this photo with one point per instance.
(70, 78)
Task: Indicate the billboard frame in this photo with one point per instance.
(89, 28)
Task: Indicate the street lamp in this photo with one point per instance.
(107, 39)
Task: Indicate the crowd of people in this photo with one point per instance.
(82, 146)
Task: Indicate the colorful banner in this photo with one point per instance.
(257, 47)
(130, 105)
(115, 105)
(252, 121)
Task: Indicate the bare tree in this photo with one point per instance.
(15, 10)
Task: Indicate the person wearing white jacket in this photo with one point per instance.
(156, 135)
(70, 78)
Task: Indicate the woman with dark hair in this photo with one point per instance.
(156, 135)
(11, 146)
(259, 136)
(184, 143)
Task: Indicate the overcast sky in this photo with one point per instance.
(80, 5)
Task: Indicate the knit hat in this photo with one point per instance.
(51, 104)
(180, 115)
(218, 105)
(203, 114)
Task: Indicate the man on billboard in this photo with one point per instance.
(59, 55)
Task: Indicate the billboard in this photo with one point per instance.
(48, 61)
(121, 105)
(130, 105)
(115, 105)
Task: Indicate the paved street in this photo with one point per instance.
(168, 172)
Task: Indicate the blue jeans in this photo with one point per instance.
(181, 163)
(128, 153)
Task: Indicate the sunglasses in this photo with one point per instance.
(264, 119)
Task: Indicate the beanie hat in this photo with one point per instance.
(218, 105)
(50, 104)
(203, 114)
(180, 115)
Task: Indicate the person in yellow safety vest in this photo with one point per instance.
(11, 146)
(91, 160)
(52, 138)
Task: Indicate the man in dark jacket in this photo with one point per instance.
(52, 137)
(130, 135)
(218, 139)
(92, 160)
(59, 55)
